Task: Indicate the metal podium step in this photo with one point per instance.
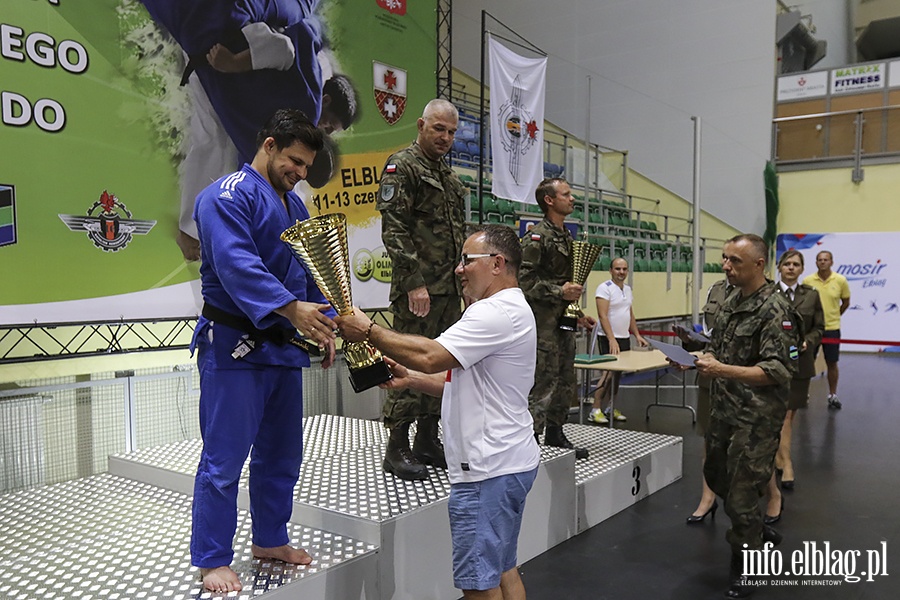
(343, 488)
(125, 534)
(110, 538)
(624, 467)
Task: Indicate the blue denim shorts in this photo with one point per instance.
(485, 518)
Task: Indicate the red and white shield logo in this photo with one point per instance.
(390, 91)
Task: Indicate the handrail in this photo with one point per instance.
(836, 113)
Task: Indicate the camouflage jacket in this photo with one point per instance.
(715, 297)
(762, 330)
(545, 268)
(422, 204)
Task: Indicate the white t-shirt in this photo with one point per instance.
(619, 307)
(488, 430)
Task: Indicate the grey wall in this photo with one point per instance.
(654, 64)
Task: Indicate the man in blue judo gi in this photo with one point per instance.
(256, 297)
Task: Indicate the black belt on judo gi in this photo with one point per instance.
(277, 335)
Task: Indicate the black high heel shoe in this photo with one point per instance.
(694, 519)
(767, 520)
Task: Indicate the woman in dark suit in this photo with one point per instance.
(806, 300)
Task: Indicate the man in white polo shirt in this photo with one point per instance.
(616, 317)
(483, 366)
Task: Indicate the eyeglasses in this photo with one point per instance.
(466, 259)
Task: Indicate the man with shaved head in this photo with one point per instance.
(751, 358)
(422, 205)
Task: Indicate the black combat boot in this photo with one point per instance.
(554, 436)
(739, 586)
(427, 447)
(398, 460)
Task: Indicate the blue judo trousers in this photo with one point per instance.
(258, 408)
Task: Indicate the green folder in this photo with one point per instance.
(587, 359)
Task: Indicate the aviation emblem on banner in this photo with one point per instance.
(390, 91)
(519, 129)
(111, 227)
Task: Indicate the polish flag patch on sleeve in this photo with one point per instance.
(390, 169)
(535, 237)
(787, 325)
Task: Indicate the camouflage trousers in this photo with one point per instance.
(739, 464)
(554, 378)
(406, 406)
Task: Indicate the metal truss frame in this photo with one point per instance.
(45, 341)
(48, 341)
(444, 48)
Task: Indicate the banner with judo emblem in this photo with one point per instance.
(101, 90)
(517, 122)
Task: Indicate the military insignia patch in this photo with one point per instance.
(387, 192)
(793, 353)
(787, 325)
(390, 169)
(535, 237)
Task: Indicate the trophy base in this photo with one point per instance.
(568, 323)
(368, 377)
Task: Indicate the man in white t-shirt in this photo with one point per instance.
(483, 366)
(614, 300)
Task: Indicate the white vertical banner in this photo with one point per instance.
(517, 122)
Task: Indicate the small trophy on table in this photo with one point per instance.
(320, 243)
(583, 256)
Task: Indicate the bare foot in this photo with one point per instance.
(190, 247)
(221, 580)
(294, 556)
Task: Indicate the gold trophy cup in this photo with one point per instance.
(583, 256)
(320, 243)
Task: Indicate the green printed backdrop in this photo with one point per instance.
(124, 120)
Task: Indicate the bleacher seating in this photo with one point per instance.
(608, 218)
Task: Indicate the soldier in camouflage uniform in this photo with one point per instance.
(544, 277)
(422, 205)
(751, 359)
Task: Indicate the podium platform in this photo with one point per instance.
(392, 536)
(110, 538)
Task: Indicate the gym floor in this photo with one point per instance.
(846, 479)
